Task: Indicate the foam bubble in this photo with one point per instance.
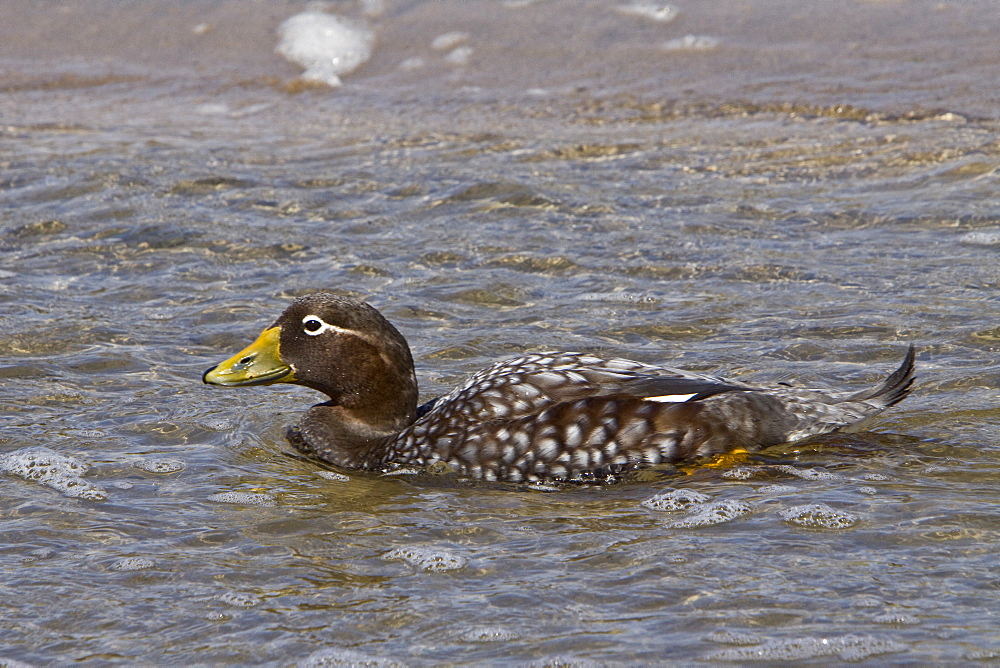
(244, 498)
(856, 648)
(410, 64)
(459, 56)
(333, 475)
(487, 634)
(60, 472)
(326, 45)
(867, 602)
(727, 637)
(428, 559)
(848, 648)
(622, 297)
(543, 487)
(337, 656)
(449, 40)
(713, 513)
(981, 238)
(161, 466)
(978, 655)
(133, 564)
(773, 490)
(743, 472)
(819, 516)
(675, 499)
(403, 471)
(38, 554)
(219, 424)
(564, 661)
(692, 43)
(651, 10)
(808, 474)
(896, 618)
(238, 599)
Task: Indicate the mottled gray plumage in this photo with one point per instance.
(542, 416)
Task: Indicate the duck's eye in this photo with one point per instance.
(312, 325)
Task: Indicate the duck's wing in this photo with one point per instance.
(528, 385)
(571, 416)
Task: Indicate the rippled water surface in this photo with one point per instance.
(768, 190)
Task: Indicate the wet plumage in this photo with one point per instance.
(538, 417)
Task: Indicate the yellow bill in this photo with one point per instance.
(258, 364)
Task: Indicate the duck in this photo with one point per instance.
(547, 416)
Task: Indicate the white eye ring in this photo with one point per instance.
(313, 325)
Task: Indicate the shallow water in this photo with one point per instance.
(797, 196)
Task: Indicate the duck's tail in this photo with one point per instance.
(841, 410)
(894, 389)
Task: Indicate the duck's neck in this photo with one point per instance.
(348, 431)
(331, 434)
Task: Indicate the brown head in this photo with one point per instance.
(341, 347)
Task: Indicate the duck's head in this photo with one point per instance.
(341, 347)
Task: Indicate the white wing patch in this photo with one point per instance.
(671, 398)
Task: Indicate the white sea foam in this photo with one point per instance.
(427, 558)
(160, 466)
(239, 599)
(650, 10)
(244, 498)
(133, 564)
(60, 472)
(703, 515)
(771, 490)
(807, 474)
(675, 499)
(743, 472)
(333, 475)
(326, 45)
(896, 618)
(414, 63)
(212, 109)
(692, 43)
(449, 40)
(819, 516)
(727, 637)
(981, 238)
(338, 656)
(459, 55)
(487, 634)
(848, 648)
(623, 297)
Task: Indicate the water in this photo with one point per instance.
(770, 190)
